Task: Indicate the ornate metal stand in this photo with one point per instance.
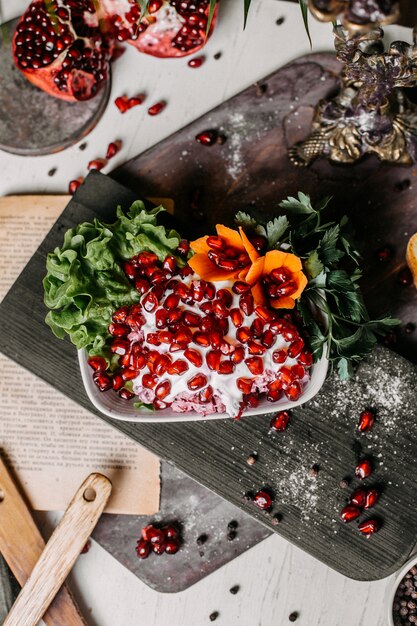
(372, 112)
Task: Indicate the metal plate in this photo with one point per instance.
(32, 122)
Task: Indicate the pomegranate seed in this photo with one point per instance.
(161, 318)
(294, 391)
(223, 325)
(243, 334)
(150, 302)
(256, 348)
(259, 242)
(369, 527)
(154, 6)
(170, 263)
(358, 497)
(74, 184)
(120, 315)
(177, 367)
(372, 495)
(236, 317)
(227, 348)
(163, 389)
(238, 355)
(227, 265)
(216, 338)
(246, 303)
(160, 405)
(137, 361)
(172, 301)
(264, 314)
(129, 270)
(262, 500)
(113, 148)
(213, 358)
(251, 400)
(207, 137)
(240, 287)
(183, 247)
(215, 243)
(305, 358)
(286, 376)
(196, 382)
(126, 394)
(268, 339)
(197, 61)
(97, 363)
(280, 275)
(172, 532)
(172, 546)
(295, 348)
(119, 330)
(161, 364)
(255, 365)
(349, 513)
(277, 326)
(135, 320)
(102, 381)
(210, 291)
(97, 164)
(202, 339)
(384, 254)
(145, 259)
(197, 290)
(225, 296)
(363, 469)
(159, 548)
(120, 346)
(142, 549)
(280, 421)
(124, 359)
(152, 534)
(366, 421)
(129, 373)
(157, 108)
(244, 385)
(206, 394)
(183, 335)
(274, 395)
(191, 319)
(226, 367)
(243, 260)
(290, 333)
(149, 381)
(153, 339)
(165, 336)
(122, 103)
(298, 371)
(257, 328)
(279, 356)
(194, 357)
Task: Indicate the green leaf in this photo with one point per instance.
(143, 6)
(276, 229)
(327, 249)
(210, 15)
(245, 220)
(246, 5)
(304, 13)
(143, 405)
(313, 265)
(302, 205)
(344, 368)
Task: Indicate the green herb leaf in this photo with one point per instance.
(245, 220)
(300, 205)
(246, 6)
(143, 405)
(304, 13)
(313, 266)
(327, 249)
(210, 15)
(344, 368)
(276, 229)
(143, 6)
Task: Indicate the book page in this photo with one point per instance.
(49, 441)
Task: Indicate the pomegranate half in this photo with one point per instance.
(59, 46)
(170, 28)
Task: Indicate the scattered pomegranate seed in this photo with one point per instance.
(384, 254)
(372, 496)
(280, 421)
(102, 381)
(119, 330)
(255, 365)
(369, 527)
(142, 549)
(120, 346)
(126, 394)
(197, 382)
(157, 108)
(279, 356)
(213, 358)
(206, 394)
(256, 348)
(97, 363)
(194, 357)
(183, 247)
(305, 358)
(97, 164)
(358, 497)
(259, 242)
(366, 421)
(363, 469)
(113, 148)
(74, 184)
(207, 137)
(124, 103)
(172, 546)
(244, 385)
(349, 513)
(162, 390)
(226, 367)
(197, 61)
(262, 500)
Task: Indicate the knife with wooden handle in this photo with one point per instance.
(60, 553)
(21, 545)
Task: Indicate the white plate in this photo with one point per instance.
(110, 404)
(398, 578)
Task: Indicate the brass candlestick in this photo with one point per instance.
(372, 112)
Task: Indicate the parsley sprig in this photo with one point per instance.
(331, 306)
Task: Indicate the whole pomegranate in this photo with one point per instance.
(170, 28)
(60, 48)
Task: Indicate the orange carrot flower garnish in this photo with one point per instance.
(276, 278)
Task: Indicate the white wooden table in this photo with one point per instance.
(275, 578)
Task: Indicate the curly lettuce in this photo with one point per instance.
(85, 281)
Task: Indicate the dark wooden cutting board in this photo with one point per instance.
(210, 184)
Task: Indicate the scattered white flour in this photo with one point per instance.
(236, 131)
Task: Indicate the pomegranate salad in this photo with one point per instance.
(210, 326)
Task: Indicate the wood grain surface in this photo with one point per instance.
(60, 553)
(21, 544)
(258, 124)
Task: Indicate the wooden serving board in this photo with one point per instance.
(210, 184)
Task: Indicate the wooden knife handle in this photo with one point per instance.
(21, 545)
(60, 552)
